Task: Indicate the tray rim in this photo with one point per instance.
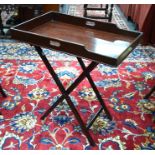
(114, 61)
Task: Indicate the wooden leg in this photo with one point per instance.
(95, 89)
(65, 93)
(106, 10)
(85, 10)
(1, 25)
(149, 94)
(2, 91)
(111, 12)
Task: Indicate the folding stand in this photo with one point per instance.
(82, 38)
(65, 93)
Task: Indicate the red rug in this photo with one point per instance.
(31, 91)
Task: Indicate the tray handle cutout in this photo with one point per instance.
(90, 23)
(54, 43)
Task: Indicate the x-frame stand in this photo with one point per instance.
(65, 93)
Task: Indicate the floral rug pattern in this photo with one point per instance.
(31, 91)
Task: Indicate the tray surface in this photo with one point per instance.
(81, 37)
(96, 41)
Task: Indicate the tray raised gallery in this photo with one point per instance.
(82, 37)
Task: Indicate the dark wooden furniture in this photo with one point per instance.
(150, 93)
(2, 91)
(1, 25)
(107, 8)
(84, 38)
(51, 7)
(3, 94)
(17, 13)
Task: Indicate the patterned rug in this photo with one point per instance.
(31, 91)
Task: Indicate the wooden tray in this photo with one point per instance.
(81, 37)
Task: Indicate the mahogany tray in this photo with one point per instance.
(82, 37)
